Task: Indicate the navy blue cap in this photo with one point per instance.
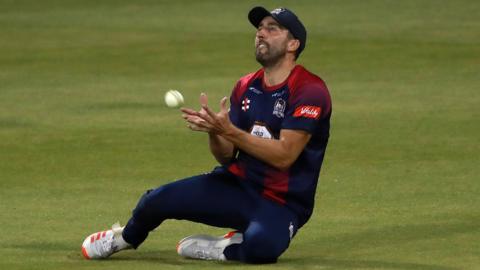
(285, 18)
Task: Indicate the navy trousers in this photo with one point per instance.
(218, 199)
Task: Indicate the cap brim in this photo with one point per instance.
(256, 15)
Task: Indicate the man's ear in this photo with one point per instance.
(293, 45)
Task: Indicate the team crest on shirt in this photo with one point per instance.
(279, 108)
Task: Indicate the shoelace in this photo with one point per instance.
(103, 245)
(107, 245)
(105, 242)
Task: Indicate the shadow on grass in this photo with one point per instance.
(361, 264)
(342, 245)
(157, 257)
(388, 238)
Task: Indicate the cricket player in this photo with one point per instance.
(270, 144)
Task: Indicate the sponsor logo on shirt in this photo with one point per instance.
(259, 130)
(255, 90)
(307, 112)
(278, 94)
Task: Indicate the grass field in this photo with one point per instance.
(84, 131)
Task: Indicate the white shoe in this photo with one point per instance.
(101, 245)
(206, 247)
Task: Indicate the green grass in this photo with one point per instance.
(83, 128)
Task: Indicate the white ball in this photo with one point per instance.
(173, 98)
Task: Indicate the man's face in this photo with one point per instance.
(270, 42)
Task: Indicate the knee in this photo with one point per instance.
(149, 204)
(143, 205)
(264, 247)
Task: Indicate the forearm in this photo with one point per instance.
(225, 138)
(279, 153)
(221, 149)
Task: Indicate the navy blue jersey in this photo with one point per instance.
(302, 102)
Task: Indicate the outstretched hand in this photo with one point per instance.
(206, 120)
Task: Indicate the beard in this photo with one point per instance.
(270, 56)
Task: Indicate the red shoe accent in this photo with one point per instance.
(230, 234)
(85, 254)
(92, 239)
(98, 235)
(104, 233)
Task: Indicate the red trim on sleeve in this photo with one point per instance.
(301, 77)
